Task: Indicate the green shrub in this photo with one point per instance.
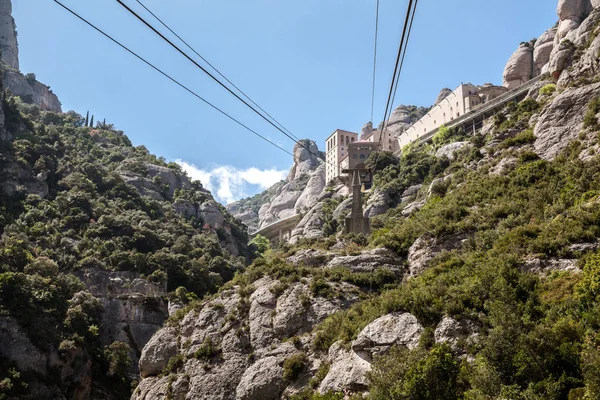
(293, 366)
(548, 89)
(415, 375)
(520, 139)
(590, 120)
(207, 350)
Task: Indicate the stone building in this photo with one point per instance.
(336, 149)
(388, 141)
(464, 99)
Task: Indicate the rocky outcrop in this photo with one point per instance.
(348, 371)
(25, 86)
(306, 159)
(160, 349)
(31, 91)
(453, 331)
(448, 150)
(425, 248)
(366, 130)
(369, 261)
(562, 120)
(519, 68)
(349, 367)
(312, 191)
(8, 36)
(395, 329)
(445, 92)
(404, 116)
(297, 194)
(379, 202)
(542, 50)
(232, 347)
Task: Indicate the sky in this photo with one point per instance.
(309, 63)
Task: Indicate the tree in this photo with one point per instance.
(87, 118)
(378, 160)
(260, 244)
(118, 358)
(415, 374)
(92, 122)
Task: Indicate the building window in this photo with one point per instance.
(362, 156)
(354, 155)
(434, 121)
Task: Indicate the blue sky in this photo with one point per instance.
(308, 63)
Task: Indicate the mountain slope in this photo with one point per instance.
(481, 283)
(95, 234)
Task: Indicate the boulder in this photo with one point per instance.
(425, 248)
(562, 121)
(343, 209)
(561, 58)
(448, 150)
(452, 331)
(348, 371)
(369, 261)
(542, 50)
(262, 307)
(310, 257)
(395, 329)
(519, 68)
(158, 351)
(311, 225)
(211, 214)
(575, 10)
(378, 203)
(262, 381)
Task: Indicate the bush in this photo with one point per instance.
(548, 89)
(293, 367)
(415, 375)
(590, 120)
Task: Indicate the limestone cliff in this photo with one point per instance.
(27, 87)
(8, 36)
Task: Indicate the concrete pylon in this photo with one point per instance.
(356, 222)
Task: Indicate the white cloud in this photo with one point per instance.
(228, 183)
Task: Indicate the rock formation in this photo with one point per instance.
(445, 92)
(542, 50)
(8, 36)
(519, 68)
(25, 86)
(297, 194)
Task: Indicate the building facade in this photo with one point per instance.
(388, 142)
(336, 149)
(461, 101)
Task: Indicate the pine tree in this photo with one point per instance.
(92, 122)
(87, 118)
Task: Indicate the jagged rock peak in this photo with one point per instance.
(8, 35)
(306, 158)
(366, 129)
(445, 92)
